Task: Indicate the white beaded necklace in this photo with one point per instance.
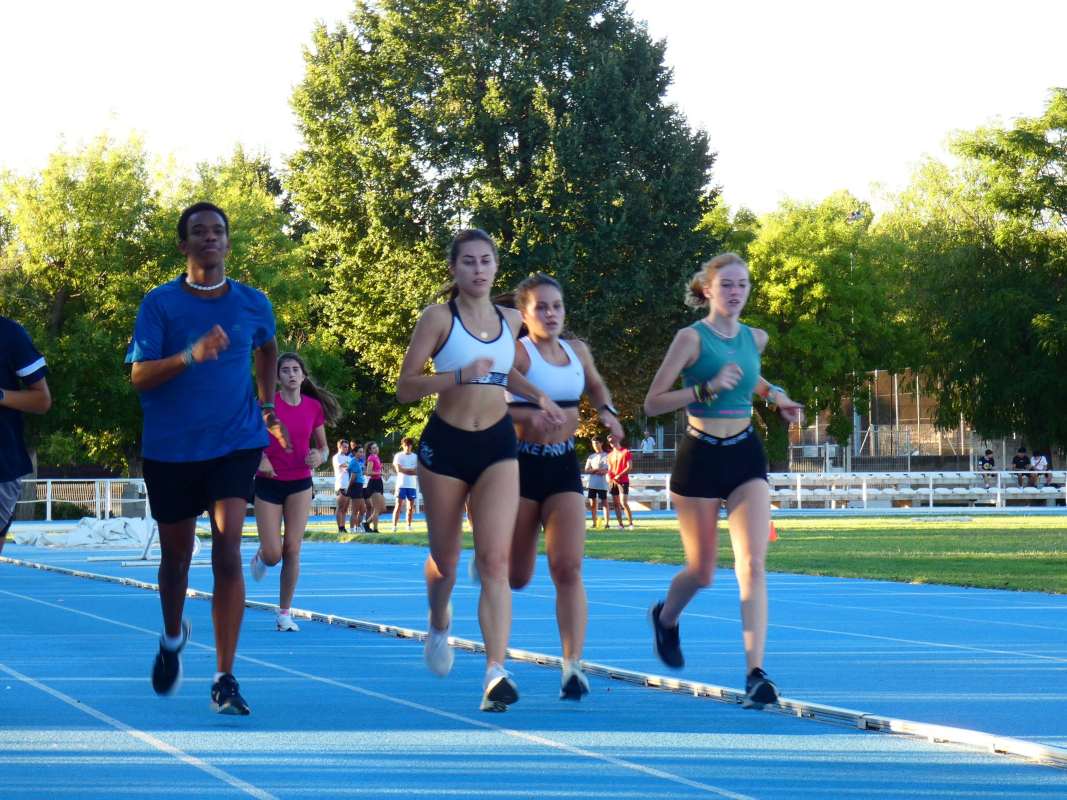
(201, 288)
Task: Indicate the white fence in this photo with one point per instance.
(888, 489)
(104, 498)
(126, 497)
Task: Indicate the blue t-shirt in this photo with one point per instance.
(355, 472)
(209, 409)
(20, 366)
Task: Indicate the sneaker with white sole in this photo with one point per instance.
(167, 668)
(256, 568)
(500, 689)
(435, 648)
(573, 684)
(285, 623)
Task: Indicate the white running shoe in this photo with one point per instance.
(256, 568)
(500, 689)
(285, 623)
(435, 649)
(573, 684)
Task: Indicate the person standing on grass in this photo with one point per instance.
(374, 493)
(283, 482)
(23, 390)
(341, 482)
(405, 464)
(355, 488)
(620, 462)
(596, 467)
(468, 448)
(550, 482)
(719, 460)
(204, 433)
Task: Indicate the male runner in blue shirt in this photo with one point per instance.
(204, 432)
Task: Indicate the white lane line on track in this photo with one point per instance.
(147, 738)
(527, 737)
(927, 615)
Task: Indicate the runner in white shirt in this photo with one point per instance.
(405, 465)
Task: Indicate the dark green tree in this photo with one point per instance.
(542, 121)
(985, 269)
(825, 306)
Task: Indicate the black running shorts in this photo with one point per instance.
(462, 454)
(179, 490)
(707, 466)
(548, 469)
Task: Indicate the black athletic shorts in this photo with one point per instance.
(707, 466)
(272, 490)
(180, 490)
(465, 455)
(548, 469)
(598, 494)
(374, 486)
(620, 488)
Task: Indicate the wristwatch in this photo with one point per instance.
(610, 409)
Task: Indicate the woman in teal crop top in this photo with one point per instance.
(720, 460)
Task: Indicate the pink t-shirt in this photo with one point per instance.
(301, 422)
(374, 466)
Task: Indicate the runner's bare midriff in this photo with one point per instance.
(472, 407)
(527, 432)
(719, 428)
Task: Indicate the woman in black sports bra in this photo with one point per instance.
(468, 448)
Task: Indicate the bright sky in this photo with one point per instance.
(799, 98)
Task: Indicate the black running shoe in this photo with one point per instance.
(760, 690)
(367, 528)
(667, 645)
(167, 668)
(226, 697)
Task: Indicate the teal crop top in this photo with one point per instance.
(715, 353)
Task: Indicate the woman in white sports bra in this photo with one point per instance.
(550, 480)
(468, 448)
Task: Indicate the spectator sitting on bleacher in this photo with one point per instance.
(986, 465)
(1039, 466)
(1021, 463)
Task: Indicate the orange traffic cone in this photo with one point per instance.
(774, 533)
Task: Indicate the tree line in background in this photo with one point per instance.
(544, 122)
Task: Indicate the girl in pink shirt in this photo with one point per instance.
(374, 494)
(283, 481)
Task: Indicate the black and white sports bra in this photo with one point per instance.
(462, 347)
(563, 384)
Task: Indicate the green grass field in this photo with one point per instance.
(1025, 553)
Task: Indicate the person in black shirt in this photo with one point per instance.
(986, 465)
(23, 389)
(1021, 463)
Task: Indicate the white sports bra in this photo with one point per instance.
(563, 384)
(462, 347)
